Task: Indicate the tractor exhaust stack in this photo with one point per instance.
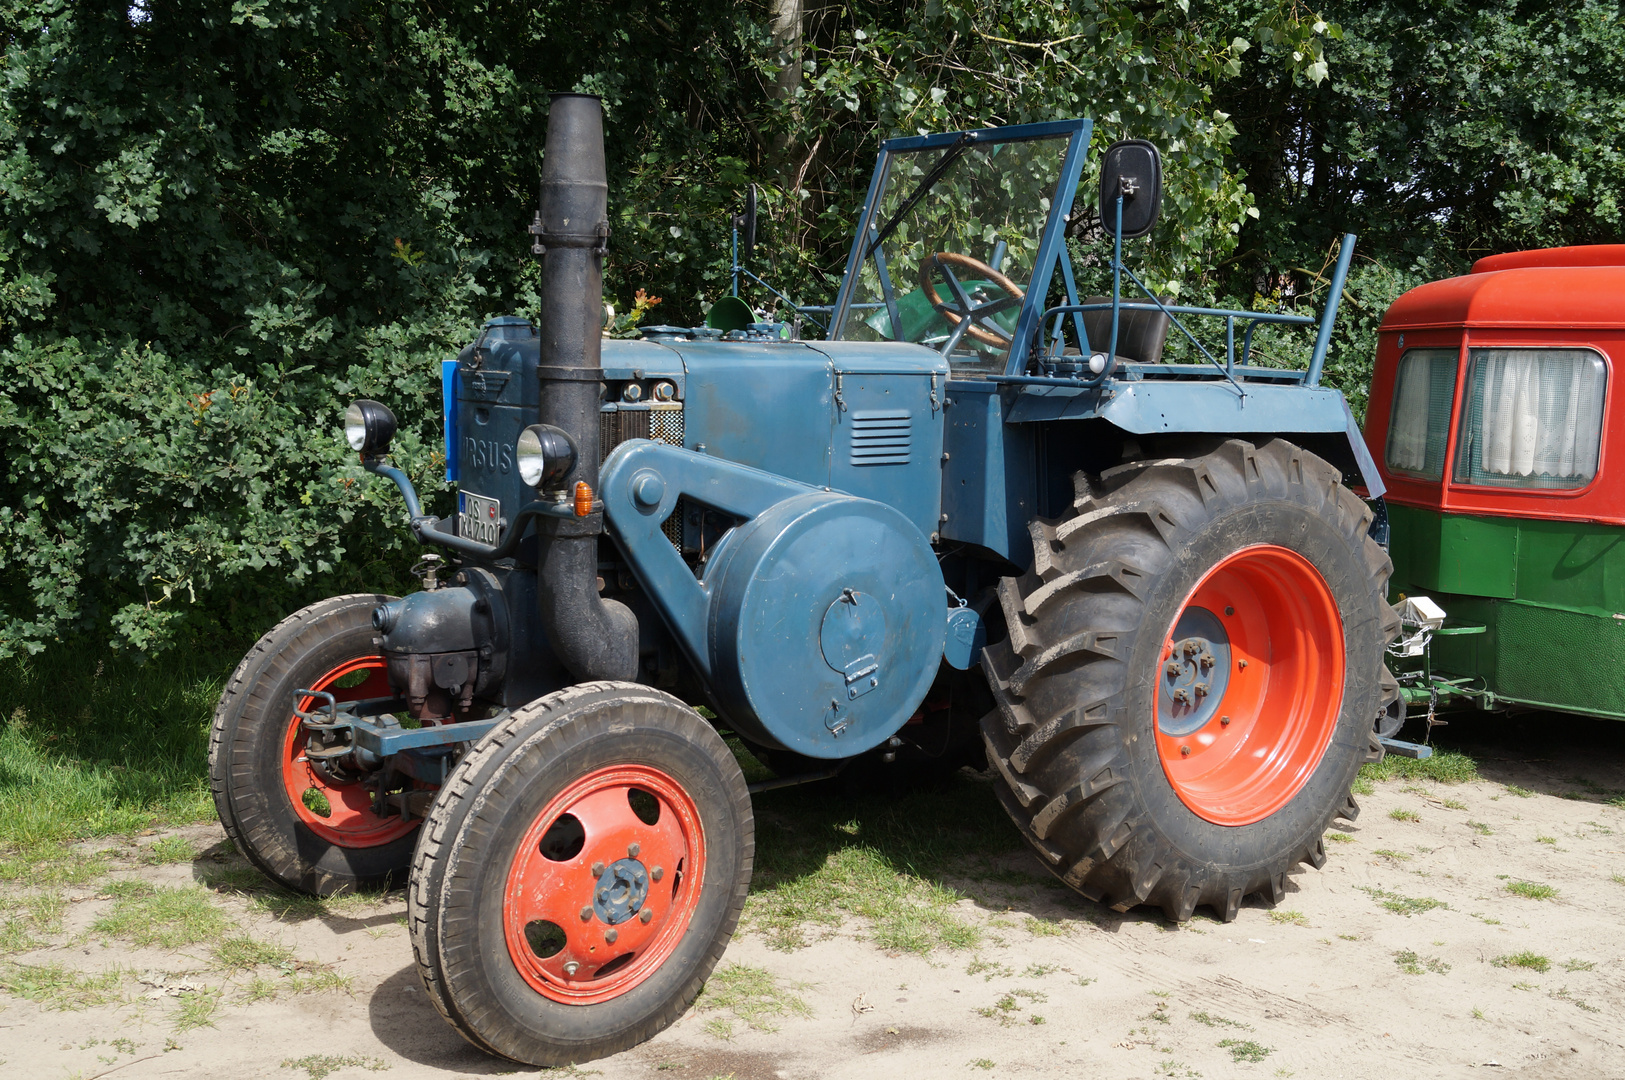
(594, 638)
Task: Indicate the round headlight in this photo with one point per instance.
(368, 427)
(544, 453)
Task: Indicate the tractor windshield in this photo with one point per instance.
(950, 240)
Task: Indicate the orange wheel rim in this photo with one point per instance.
(599, 895)
(350, 821)
(1250, 685)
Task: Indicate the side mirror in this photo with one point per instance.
(745, 225)
(1131, 168)
(368, 427)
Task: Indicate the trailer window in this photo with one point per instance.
(1419, 425)
(1532, 418)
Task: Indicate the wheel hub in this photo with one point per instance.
(1195, 674)
(622, 888)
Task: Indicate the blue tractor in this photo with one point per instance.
(980, 519)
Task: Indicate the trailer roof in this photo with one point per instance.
(1553, 287)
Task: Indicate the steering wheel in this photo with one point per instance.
(962, 308)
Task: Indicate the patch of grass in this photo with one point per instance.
(259, 988)
(107, 745)
(1445, 766)
(54, 986)
(1362, 784)
(321, 1066)
(1452, 804)
(197, 1009)
(1399, 813)
(1349, 937)
(1412, 963)
(51, 863)
(1478, 1014)
(170, 849)
(247, 953)
(752, 995)
(992, 968)
(1218, 1021)
(981, 1063)
(1047, 927)
(1522, 793)
(320, 981)
(1480, 828)
(1038, 971)
(1398, 856)
(1552, 840)
(1289, 918)
(1248, 1051)
(1617, 879)
(1531, 960)
(168, 916)
(1403, 905)
(1572, 964)
(1531, 890)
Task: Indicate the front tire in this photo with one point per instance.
(1193, 668)
(580, 874)
(313, 832)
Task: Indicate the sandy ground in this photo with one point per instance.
(1316, 983)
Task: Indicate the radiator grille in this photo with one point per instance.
(660, 421)
(881, 437)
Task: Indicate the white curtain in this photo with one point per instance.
(1408, 429)
(1540, 411)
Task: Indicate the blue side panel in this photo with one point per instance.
(887, 443)
(448, 414)
(763, 405)
(989, 490)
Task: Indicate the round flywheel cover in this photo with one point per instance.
(827, 623)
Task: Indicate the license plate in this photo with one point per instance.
(479, 518)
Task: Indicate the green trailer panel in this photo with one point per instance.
(1550, 594)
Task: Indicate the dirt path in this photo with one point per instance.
(1390, 962)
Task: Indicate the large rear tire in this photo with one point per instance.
(580, 874)
(1192, 672)
(313, 831)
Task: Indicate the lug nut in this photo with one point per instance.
(597, 869)
(1207, 660)
(603, 896)
(645, 915)
(1201, 689)
(632, 851)
(656, 873)
(1242, 664)
(1185, 751)
(571, 968)
(611, 934)
(586, 914)
(1181, 696)
(1174, 669)
(1224, 721)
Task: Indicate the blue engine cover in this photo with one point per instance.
(818, 622)
(826, 623)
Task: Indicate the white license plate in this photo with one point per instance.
(479, 518)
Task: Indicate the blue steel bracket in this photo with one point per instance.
(640, 484)
(385, 741)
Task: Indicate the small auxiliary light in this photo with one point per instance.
(368, 427)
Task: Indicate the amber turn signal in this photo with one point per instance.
(583, 499)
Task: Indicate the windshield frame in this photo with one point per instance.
(1051, 246)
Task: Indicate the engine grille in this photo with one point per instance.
(658, 420)
(881, 437)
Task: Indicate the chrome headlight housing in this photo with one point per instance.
(368, 427)
(544, 454)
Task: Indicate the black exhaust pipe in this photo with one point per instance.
(593, 638)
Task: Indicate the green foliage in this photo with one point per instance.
(221, 222)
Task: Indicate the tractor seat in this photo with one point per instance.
(1140, 334)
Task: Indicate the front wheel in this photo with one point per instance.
(312, 826)
(580, 874)
(1193, 669)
